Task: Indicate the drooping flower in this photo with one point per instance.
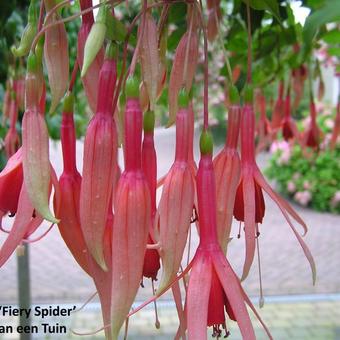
(11, 178)
(95, 39)
(214, 291)
(278, 112)
(91, 78)
(35, 146)
(149, 56)
(249, 203)
(149, 165)
(12, 138)
(263, 128)
(27, 219)
(184, 67)
(56, 56)
(227, 172)
(289, 128)
(177, 200)
(312, 136)
(6, 102)
(100, 162)
(70, 183)
(132, 216)
(214, 16)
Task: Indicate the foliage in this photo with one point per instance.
(309, 178)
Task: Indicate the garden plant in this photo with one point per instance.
(128, 66)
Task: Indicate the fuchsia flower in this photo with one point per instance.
(56, 56)
(184, 67)
(67, 205)
(11, 178)
(263, 124)
(35, 146)
(132, 216)
(149, 165)
(149, 57)
(12, 138)
(312, 136)
(289, 128)
(249, 203)
(227, 173)
(91, 78)
(213, 289)
(18, 202)
(100, 162)
(19, 89)
(6, 103)
(278, 112)
(177, 200)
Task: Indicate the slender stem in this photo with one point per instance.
(225, 55)
(206, 72)
(55, 8)
(249, 43)
(73, 76)
(41, 15)
(186, 58)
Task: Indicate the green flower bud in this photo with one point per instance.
(68, 102)
(183, 99)
(149, 121)
(32, 63)
(111, 50)
(28, 34)
(234, 96)
(206, 143)
(248, 94)
(132, 87)
(95, 39)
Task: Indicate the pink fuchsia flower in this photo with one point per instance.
(291, 187)
(303, 197)
(227, 173)
(56, 56)
(249, 203)
(100, 162)
(177, 200)
(132, 209)
(91, 78)
(35, 145)
(213, 286)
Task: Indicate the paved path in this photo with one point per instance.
(56, 277)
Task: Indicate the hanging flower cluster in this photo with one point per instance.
(109, 217)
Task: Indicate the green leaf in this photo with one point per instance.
(328, 13)
(332, 37)
(266, 5)
(334, 51)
